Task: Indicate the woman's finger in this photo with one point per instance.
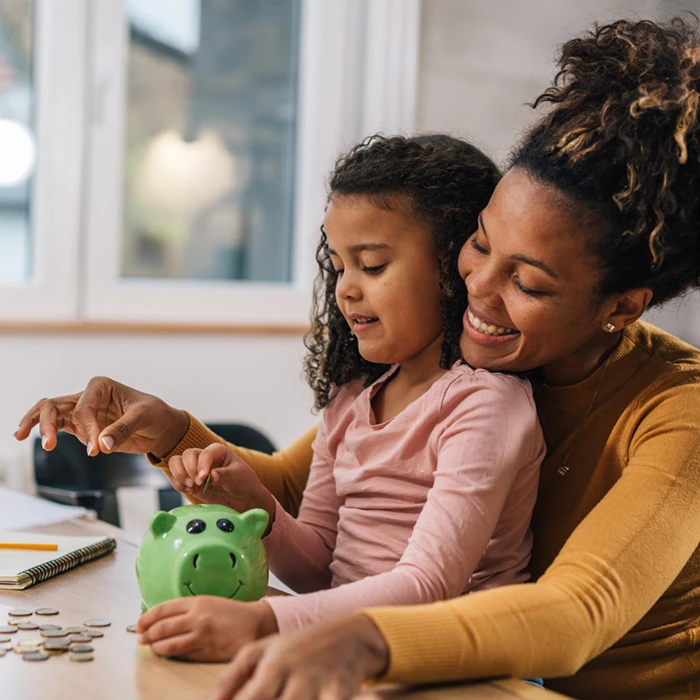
(85, 413)
(48, 428)
(239, 671)
(299, 686)
(28, 421)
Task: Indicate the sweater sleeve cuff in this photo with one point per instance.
(197, 435)
(420, 651)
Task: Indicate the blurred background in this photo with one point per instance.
(162, 168)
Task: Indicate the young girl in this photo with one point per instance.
(425, 469)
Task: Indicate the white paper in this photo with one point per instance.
(14, 561)
(19, 511)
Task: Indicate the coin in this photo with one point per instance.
(4, 638)
(46, 611)
(56, 644)
(76, 630)
(36, 656)
(83, 656)
(53, 634)
(15, 621)
(19, 612)
(131, 628)
(79, 639)
(96, 622)
(94, 633)
(206, 483)
(81, 648)
(27, 626)
(43, 628)
(2, 653)
(6, 629)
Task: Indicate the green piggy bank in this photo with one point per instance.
(203, 550)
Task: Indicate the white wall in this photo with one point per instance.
(253, 379)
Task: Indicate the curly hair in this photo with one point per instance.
(446, 182)
(622, 142)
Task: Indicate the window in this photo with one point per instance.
(17, 139)
(42, 91)
(180, 150)
(210, 139)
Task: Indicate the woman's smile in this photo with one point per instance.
(485, 332)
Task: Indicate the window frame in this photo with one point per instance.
(338, 104)
(51, 291)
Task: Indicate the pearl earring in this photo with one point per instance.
(609, 328)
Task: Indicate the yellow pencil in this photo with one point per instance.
(28, 545)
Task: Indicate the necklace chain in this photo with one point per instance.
(563, 468)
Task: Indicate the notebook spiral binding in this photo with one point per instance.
(69, 561)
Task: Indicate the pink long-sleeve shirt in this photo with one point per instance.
(428, 505)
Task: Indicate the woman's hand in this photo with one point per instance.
(205, 628)
(109, 417)
(329, 661)
(233, 483)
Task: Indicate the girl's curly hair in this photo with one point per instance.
(622, 142)
(446, 182)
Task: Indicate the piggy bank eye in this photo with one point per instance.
(194, 527)
(224, 525)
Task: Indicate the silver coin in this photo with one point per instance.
(19, 612)
(56, 644)
(46, 611)
(15, 621)
(87, 656)
(27, 626)
(2, 653)
(54, 634)
(81, 648)
(76, 630)
(96, 622)
(4, 639)
(6, 629)
(79, 639)
(43, 628)
(94, 633)
(131, 628)
(35, 656)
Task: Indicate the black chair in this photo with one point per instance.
(67, 475)
(243, 436)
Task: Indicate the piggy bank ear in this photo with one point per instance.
(255, 519)
(161, 522)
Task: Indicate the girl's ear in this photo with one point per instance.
(255, 519)
(627, 309)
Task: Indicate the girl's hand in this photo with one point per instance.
(233, 483)
(109, 417)
(205, 628)
(329, 661)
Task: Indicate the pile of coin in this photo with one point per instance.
(54, 639)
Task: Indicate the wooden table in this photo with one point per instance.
(123, 670)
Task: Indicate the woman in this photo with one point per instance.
(597, 220)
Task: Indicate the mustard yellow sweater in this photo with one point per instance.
(615, 609)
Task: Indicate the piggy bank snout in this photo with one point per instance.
(211, 557)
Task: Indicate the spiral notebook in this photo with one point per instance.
(22, 568)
